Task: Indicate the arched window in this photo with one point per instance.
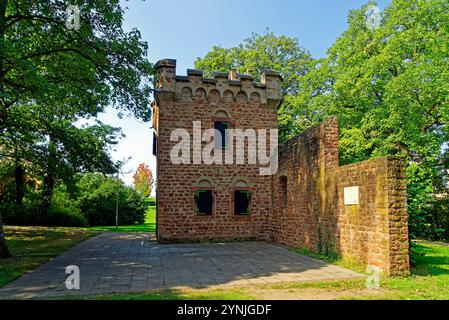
(204, 198)
(221, 124)
(242, 198)
(283, 198)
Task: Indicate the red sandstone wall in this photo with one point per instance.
(374, 232)
(177, 219)
(193, 98)
(304, 160)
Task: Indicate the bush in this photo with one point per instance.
(32, 215)
(65, 217)
(96, 196)
(63, 211)
(18, 215)
(134, 207)
(437, 222)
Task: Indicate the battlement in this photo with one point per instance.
(223, 87)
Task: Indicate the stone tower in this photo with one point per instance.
(198, 201)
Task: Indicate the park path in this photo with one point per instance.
(134, 262)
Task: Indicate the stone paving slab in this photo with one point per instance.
(134, 262)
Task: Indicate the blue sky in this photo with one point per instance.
(185, 30)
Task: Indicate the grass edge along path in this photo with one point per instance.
(32, 246)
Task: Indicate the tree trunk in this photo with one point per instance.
(20, 184)
(47, 190)
(49, 177)
(4, 251)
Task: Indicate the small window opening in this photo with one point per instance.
(241, 202)
(203, 202)
(221, 141)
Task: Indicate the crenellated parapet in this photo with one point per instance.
(223, 87)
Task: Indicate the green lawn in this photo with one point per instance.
(32, 246)
(175, 294)
(148, 226)
(429, 279)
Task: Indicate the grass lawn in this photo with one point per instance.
(173, 294)
(429, 280)
(32, 246)
(149, 225)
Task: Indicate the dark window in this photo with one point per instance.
(203, 202)
(222, 140)
(154, 144)
(241, 202)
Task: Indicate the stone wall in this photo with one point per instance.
(372, 232)
(375, 231)
(303, 162)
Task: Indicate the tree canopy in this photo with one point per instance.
(143, 180)
(45, 63)
(259, 52)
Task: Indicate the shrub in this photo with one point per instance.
(18, 215)
(437, 226)
(96, 196)
(134, 207)
(63, 211)
(65, 217)
(32, 215)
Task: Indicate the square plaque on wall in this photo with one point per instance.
(351, 195)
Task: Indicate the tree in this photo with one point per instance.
(49, 142)
(143, 180)
(4, 251)
(67, 73)
(388, 86)
(259, 52)
(96, 197)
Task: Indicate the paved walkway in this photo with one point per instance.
(132, 262)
